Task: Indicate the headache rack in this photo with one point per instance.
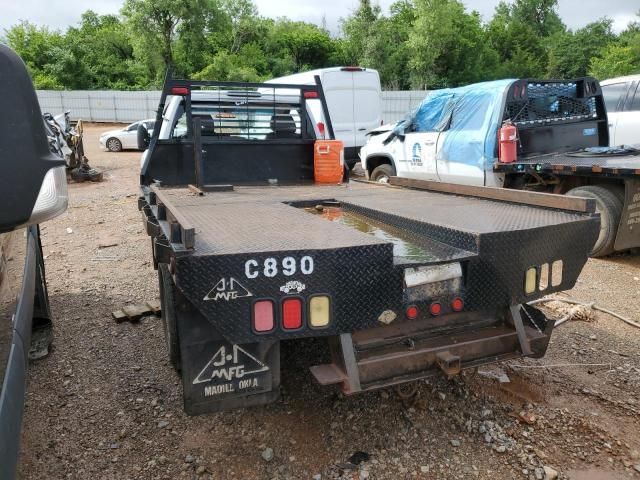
(217, 133)
(555, 116)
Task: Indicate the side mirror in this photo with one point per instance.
(143, 137)
(33, 182)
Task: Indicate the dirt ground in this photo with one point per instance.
(106, 404)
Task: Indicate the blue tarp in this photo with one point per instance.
(470, 116)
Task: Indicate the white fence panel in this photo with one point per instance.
(101, 105)
(127, 107)
(396, 105)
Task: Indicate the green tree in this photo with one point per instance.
(101, 44)
(201, 35)
(359, 32)
(541, 15)
(244, 23)
(520, 50)
(621, 57)
(447, 46)
(571, 53)
(226, 66)
(39, 48)
(306, 44)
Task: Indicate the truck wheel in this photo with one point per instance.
(168, 306)
(609, 207)
(617, 190)
(114, 145)
(383, 173)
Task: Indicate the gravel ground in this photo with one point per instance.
(107, 405)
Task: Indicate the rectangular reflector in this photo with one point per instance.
(263, 316)
(530, 280)
(292, 314)
(319, 311)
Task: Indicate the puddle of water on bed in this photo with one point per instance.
(401, 247)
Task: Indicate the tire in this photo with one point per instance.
(113, 144)
(609, 206)
(383, 173)
(617, 190)
(169, 322)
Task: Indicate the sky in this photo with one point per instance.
(58, 14)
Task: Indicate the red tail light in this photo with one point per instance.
(179, 91)
(321, 128)
(292, 314)
(457, 304)
(311, 94)
(412, 312)
(352, 69)
(263, 316)
(435, 308)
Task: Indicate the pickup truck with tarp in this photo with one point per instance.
(538, 135)
(403, 282)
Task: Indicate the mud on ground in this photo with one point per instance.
(106, 404)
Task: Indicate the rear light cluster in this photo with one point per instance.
(435, 308)
(538, 278)
(292, 313)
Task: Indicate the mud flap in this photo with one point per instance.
(628, 235)
(218, 375)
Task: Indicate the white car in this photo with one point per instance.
(622, 99)
(125, 138)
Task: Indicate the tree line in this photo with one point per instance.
(419, 44)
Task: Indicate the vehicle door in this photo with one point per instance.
(338, 90)
(16, 306)
(615, 96)
(367, 109)
(418, 158)
(129, 136)
(460, 153)
(628, 120)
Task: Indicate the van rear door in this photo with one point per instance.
(367, 108)
(338, 91)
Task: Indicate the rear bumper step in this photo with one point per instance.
(366, 364)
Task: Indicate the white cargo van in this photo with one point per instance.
(353, 97)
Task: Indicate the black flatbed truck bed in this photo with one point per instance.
(496, 241)
(619, 173)
(244, 267)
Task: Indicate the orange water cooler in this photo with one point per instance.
(328, 161)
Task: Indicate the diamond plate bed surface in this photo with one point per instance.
(237, 221)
